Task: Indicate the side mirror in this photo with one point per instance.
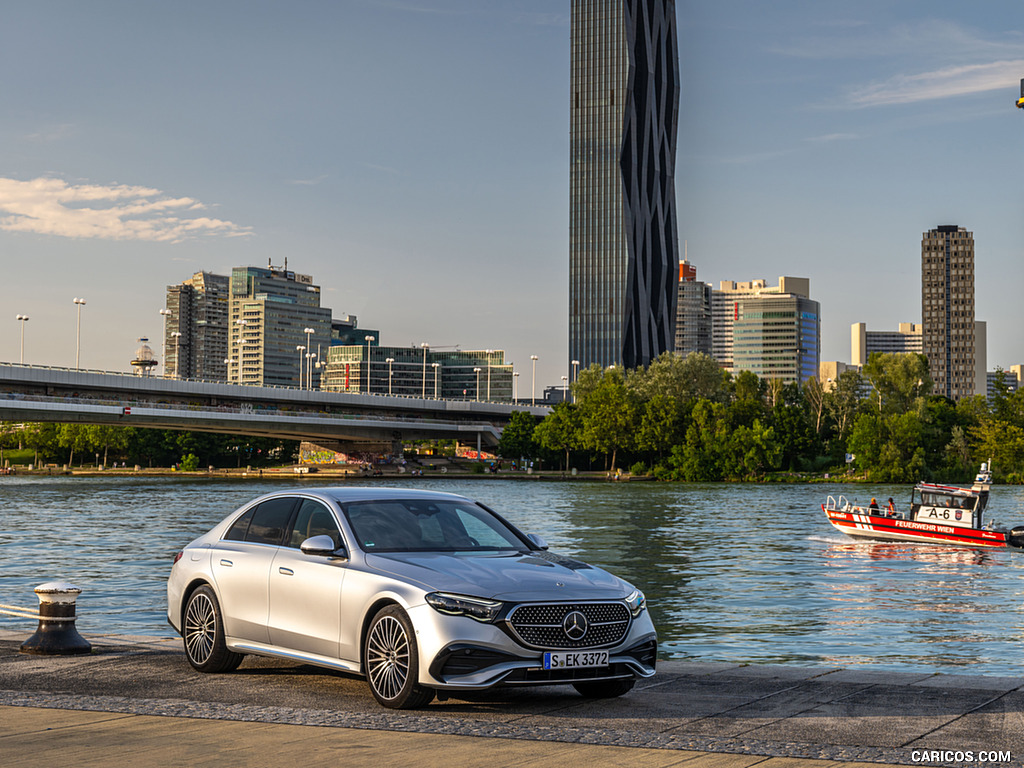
(322, 545)
(538, 540)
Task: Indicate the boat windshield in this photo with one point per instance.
(947, 500)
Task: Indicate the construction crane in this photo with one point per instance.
(1020, 101)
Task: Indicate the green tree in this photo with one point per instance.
(843, 401)
(660, 424)
(560, 430)
(517, 436)
(608, 416)
(898, 379)
(682, 379)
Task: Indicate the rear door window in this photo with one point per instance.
(270, 521)
(238, 528)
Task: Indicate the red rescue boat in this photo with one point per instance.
(938, 514)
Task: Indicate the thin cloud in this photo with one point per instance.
(931, 41)
(309, 182)
(51, 206)
(830, 137)
(939, 84)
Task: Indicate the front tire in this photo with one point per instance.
(604, 689)
(391, 661)
(203, 632)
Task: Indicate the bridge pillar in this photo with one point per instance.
(479, 456)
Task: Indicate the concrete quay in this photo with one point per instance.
(135, 701)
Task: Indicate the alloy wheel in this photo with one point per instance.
(200, 628)
(387, 658)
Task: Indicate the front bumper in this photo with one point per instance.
(459, 653)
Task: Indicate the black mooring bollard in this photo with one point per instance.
(56, 634)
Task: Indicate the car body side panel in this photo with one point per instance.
(241, 573)
(363, 590)
(305, 601)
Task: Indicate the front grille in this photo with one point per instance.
(542, 625)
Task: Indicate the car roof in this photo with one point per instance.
(344, 495)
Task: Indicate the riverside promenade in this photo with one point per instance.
(135, 702)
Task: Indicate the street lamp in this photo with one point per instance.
(166, 315)
(390, 361)
(435, 366)
(533, 391)
(575, 374)
(300, 349)
(489, 353)
(239, 343)
(309, 357)
(78, 333)
(176, 335)
(368, 338)
(565, 388)
(515, 387)
(425, 348)
(477, 372)
(23, 319)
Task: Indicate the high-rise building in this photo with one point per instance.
(693, 313)
(947, 310)
(623, 244)
(271, 308)
(772, 331)
(863, 342)
(196, 328)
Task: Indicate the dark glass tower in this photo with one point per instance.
(623, 243)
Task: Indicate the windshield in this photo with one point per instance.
(397, 525)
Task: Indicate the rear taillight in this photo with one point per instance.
(177, 557)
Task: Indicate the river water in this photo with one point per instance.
(739, 573)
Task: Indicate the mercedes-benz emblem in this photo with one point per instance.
(575, 625)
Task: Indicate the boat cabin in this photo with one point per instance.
(961, 507)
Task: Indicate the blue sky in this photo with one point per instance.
(412, 155)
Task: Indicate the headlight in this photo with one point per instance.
(636, 603)
(459, 605)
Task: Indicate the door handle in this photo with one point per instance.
(286, 571)
(226, 563)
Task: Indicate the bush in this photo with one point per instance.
(477, 468)
(189, 463)
(638, 469)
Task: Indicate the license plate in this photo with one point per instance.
(575, 659)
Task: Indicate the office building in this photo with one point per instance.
(781, 339)
(693, 313)
(345, 331)
(196, 328)
(447, 374)
(863, 342)
(270, 310)
(777, 336)
(1012, 378)
(623, 244)
(947, 311)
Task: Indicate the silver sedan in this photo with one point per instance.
(422, 593)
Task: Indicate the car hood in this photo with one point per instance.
(503, 576)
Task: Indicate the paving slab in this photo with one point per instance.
(877, 716)
(704, 715)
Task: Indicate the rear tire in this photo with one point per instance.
(604, 689)
(203, 632)
(391, 661)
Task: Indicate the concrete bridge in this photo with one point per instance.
(38, 393)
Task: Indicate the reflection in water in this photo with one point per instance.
(746, 573)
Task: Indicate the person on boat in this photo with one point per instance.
(890, 509)
(873, 506)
